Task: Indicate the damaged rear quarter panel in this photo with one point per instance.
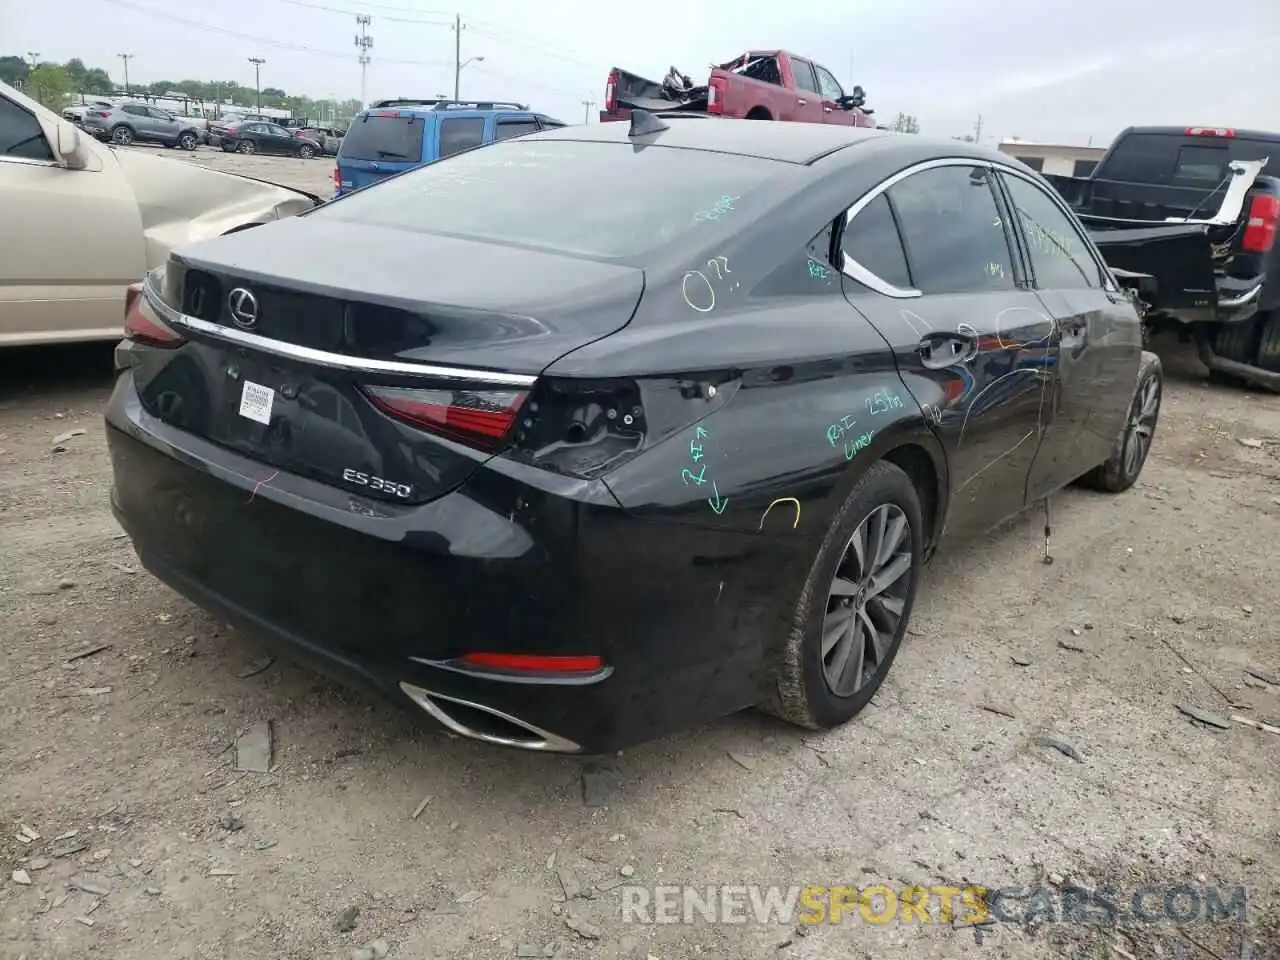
(183, 203)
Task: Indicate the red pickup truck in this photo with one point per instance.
(759, 85)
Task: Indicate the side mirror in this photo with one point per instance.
(73, 149)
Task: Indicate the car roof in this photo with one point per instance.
(799, 143)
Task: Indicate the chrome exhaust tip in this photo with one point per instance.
(478, 722)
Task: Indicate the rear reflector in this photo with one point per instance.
(1210, 132)
(141, 325)
(1260, 229)
(530, 663)
(478, 418)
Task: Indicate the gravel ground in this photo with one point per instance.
(313, 176)
(153, 845)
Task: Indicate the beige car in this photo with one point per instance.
(81, 220)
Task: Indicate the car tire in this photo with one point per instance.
(188, 141)
(1269, 343)
(306, 151)
(798, 672)
(121, 135)
(1124, 466)
(1234, 341)
(245, 146)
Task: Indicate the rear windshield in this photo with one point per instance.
(600, 200)
(1181, 159)
(384, 138)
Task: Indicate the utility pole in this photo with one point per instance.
(126, 57)
(257, 78)
(977, 130)
(457, 54)
(363, 43)
(587, 105)
(35, 57)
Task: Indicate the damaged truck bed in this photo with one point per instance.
(758, 85)
(1189, 222)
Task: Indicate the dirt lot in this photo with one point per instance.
(1160, 597)
(313, 176)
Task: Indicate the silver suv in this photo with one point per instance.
(128, 122)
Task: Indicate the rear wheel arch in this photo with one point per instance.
(759, 113)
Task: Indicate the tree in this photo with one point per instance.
(14, 70)
(905, 123)
(49, 85)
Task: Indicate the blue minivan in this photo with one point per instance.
(396, 135)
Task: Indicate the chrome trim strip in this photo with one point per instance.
(1241, 300)
(548, 742)
(324, 358)
(30, 162)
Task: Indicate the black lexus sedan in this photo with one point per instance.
(587, 436)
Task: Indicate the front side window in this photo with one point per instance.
(1059, 257)
(21, 137)
(828, 84)
(803, 71)
(871, 238)
(460, 133)
(515, 128)
(953, 231)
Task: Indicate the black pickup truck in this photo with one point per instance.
(1188, 218)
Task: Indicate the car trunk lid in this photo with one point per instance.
(394, 373)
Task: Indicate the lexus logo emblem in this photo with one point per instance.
(243, 306)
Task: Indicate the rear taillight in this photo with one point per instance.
(1210, 132)
(1260, 228)
(715, 95)
(337, 178)
(533, 663)
(478, 418)
(611, 92)
(141, 325)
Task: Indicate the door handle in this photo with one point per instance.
(947, 350)
(826, 109)
(803, 102)
(1073, 332)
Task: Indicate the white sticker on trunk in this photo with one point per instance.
(256, 401)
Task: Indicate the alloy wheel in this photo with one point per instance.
(867, 599)
(1142, 425)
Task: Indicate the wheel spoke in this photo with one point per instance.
(859, 545)
(833, 627)
(840, 656)
(876, 524)
(1150, 400)
(843, 587)
(895, 530)
(888, 575)
(1131, 452)
(879, 642)
(848, 679)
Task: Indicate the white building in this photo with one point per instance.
(1054, 158)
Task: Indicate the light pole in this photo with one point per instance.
(34, 59)
(126, 57)
(458, 74)
(257, 78)
(587, 105)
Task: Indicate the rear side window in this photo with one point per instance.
(515, 128)
(871, 238)
(953, 231)
(563, 196)
(1059, 257)
(397, 139)
(20, 134)
(460, 133)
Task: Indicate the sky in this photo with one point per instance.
(1062, 71)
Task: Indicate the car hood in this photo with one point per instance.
(182, 202)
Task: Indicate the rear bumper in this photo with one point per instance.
(387, 598)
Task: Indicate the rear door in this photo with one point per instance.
(378, 144)
(1097, 334)
(276, 139)
(163, 124)
(930, 261)
(808, 107)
